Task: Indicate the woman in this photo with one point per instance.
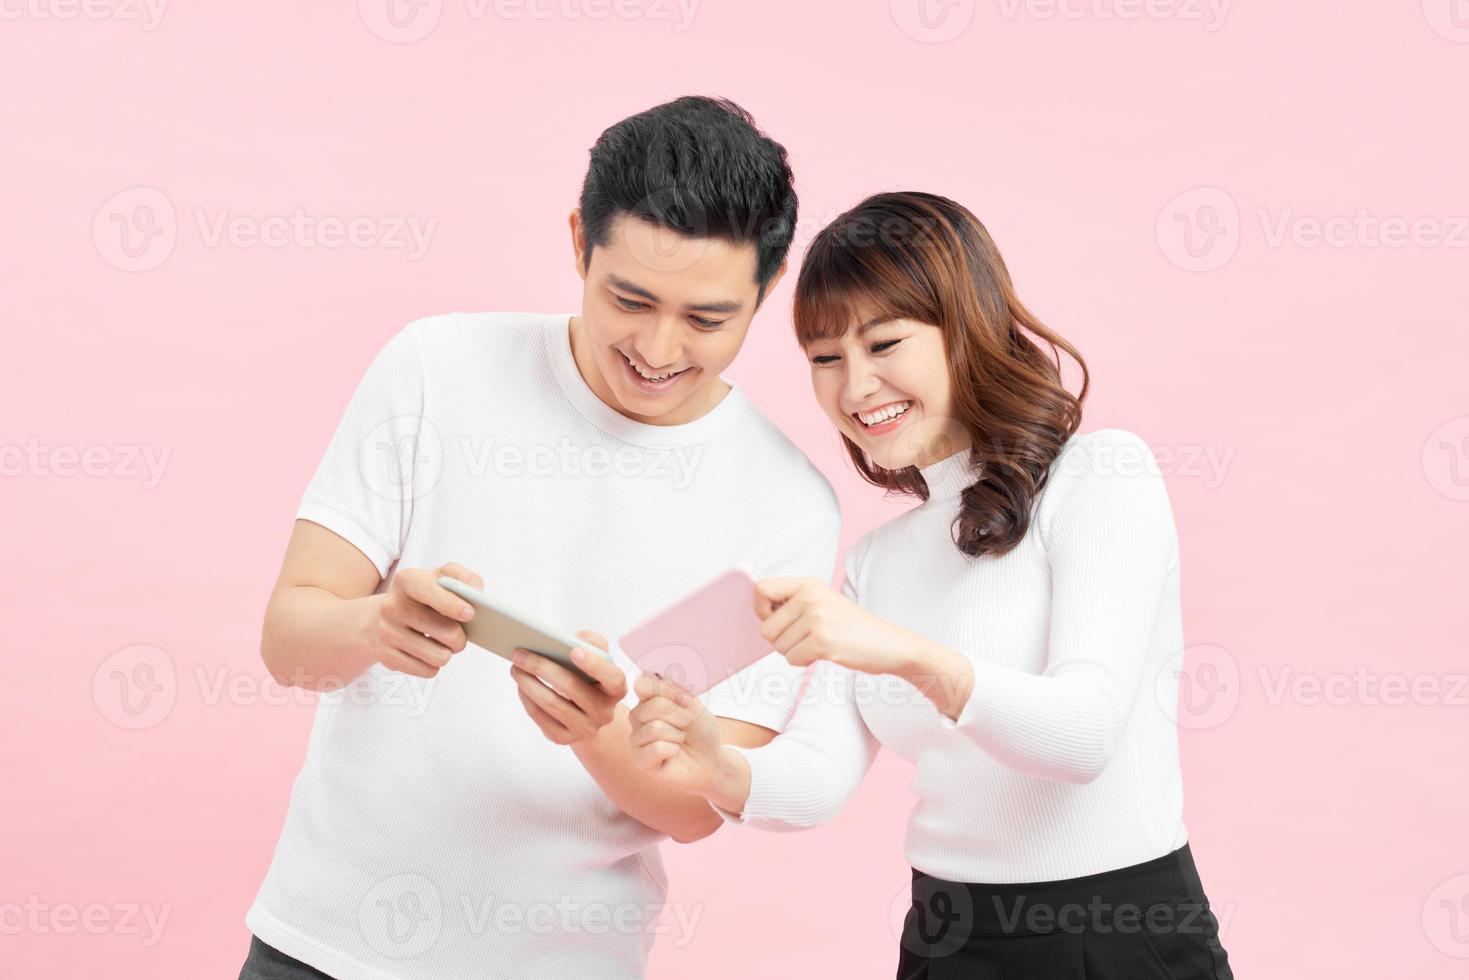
(1009, 636)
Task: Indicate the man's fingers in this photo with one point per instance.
(443, 630)
(415, 645)
(601, 669)
(455, 570)
(404, 664)
(424, 589)
(546, 699)
(553, 728)
(561, 680)
(594, 638)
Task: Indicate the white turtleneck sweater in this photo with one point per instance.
(1064, 760)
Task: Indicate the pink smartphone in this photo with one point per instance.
(703, 639)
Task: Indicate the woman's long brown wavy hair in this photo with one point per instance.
(915, 256)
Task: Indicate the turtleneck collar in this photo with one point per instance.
(948, 477)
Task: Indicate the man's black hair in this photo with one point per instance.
(700, 167)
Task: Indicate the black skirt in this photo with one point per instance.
(1150, 921)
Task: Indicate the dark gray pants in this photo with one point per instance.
(268, 963)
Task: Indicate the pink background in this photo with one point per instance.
(1323, 546)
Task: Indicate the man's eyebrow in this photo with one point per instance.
(720, 306)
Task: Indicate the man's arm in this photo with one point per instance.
(608, 757)
(324, 623)
(591, 719)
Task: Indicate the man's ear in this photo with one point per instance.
(774, 281)
(578, 242)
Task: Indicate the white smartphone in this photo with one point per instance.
(502, 630)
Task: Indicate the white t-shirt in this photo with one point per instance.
(433, 831)
(1064, 760)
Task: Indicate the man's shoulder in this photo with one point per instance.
(447, 331)
(784, 464)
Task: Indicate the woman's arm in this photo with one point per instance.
(1112, 547)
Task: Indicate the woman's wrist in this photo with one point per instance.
(729, 787)
(945, 677)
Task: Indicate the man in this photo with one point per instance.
(457, 816)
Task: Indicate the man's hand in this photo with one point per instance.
(564, 706)
(415, 626)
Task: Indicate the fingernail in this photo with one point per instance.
(518, 657)
(466, 613)
(578, 654)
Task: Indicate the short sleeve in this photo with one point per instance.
(765, 693)
(379, 459)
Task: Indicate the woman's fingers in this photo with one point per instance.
(655, 731)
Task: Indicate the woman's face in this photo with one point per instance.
(885, 385)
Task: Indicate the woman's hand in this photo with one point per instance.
(807, 620)
(674, 737)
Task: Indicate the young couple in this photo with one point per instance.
(503, 820)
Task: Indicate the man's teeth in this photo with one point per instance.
(649, 377)
(885, 413)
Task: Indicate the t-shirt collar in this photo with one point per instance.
(613, 422)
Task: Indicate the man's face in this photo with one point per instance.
(662, 315)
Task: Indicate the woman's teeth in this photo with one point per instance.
(645, 375)
(883, 414)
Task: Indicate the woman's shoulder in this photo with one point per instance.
(1104, 473)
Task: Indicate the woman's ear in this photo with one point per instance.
(578, 242)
